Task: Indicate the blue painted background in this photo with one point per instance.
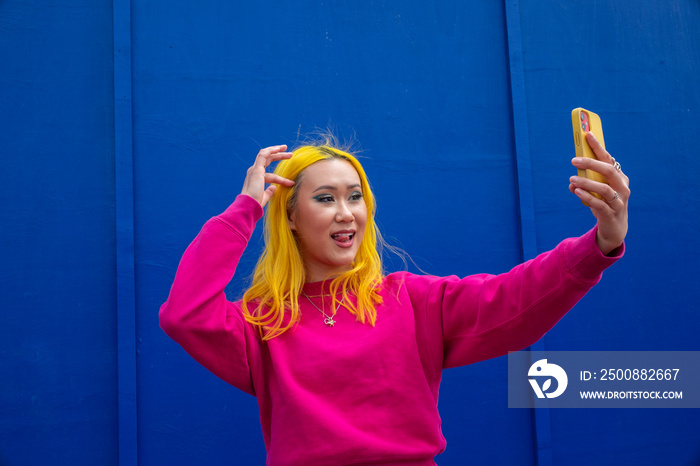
(124, 127)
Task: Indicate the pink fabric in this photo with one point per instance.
(353, 393)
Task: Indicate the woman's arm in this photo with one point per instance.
(485, 316)
(197, 314)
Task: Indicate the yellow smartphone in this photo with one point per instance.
(584, 121)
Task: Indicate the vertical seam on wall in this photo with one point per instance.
(124, 183)
(528, 239)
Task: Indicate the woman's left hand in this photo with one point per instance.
(611, 211)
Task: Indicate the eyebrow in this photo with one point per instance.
(333, 188)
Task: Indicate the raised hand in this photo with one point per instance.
(611, 211)
(257, 176)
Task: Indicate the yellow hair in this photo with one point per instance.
(280, 275)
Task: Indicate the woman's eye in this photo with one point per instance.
(355, 196)
(324, 198)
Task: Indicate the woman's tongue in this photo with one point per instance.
(342, 237)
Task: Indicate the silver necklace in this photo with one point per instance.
(328, 320)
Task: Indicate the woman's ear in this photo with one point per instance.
(290, 221)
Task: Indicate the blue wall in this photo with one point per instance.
(125, 127)
(58, 382)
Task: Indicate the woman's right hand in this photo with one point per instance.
(257, 177)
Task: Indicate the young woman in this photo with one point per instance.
(346, 362)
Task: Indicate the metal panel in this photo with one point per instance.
(58, 392)
(636, 66)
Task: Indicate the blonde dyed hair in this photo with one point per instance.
(280, 274)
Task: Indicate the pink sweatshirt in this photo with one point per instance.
(353, 393)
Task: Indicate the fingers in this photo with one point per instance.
(264, 159)
(271, 154)
(611, 209)
(585, 189)
(613, 194)
(273, 178)
(617, 180)
(598, 149)
(610, 213)
(601, 153)
(257, 176)
(268, 193)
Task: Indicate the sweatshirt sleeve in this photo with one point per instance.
(197, 314)
(485, 316)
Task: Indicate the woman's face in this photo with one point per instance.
(329, 218)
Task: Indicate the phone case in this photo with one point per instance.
(582, 121)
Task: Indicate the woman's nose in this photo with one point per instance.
(344, 214)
